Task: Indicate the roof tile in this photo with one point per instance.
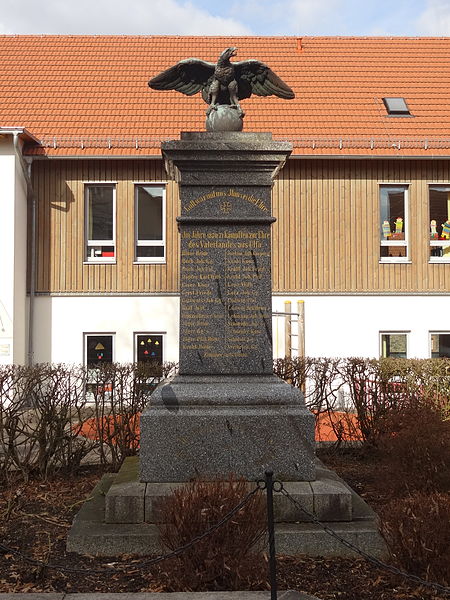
(65, 89)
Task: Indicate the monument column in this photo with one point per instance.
(226, 411)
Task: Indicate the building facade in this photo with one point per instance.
(89, 247)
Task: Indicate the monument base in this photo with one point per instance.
(121, 515)
(211, 426)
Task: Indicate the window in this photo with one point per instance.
(100, 223)
(149, 348)
(393, 223)
(440, 345)
(439, 228)
(150, 223)
(99, 349)
(394, 345)
(396, 107)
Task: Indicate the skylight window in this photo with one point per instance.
(396, 107)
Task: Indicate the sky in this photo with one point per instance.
(227, 17)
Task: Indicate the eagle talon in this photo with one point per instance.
(210, 109)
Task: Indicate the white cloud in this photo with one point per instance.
(159, 17)
(435, 19)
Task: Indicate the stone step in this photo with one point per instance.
(130, 501)
(91, 535)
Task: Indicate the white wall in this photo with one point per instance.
(341, 326)
(337, 326)
(20, 267)
(12, 257)
(62, 321)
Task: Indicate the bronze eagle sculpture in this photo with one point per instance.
(223, 83)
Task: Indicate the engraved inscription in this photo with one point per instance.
(228, 194)
(225, 299)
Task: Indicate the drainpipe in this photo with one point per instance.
(26, 170)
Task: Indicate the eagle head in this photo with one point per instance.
(228, 53)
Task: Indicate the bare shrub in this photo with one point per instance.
(293, 370)
(415, 447)
(417, 531)
(52, 416)
(120, 393)
(228, 559)
(321, 380)
(41, 409)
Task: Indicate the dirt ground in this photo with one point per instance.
(35, 519)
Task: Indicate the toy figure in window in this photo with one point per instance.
(386, 229)
(446, 230)
(433, 231)
(398, 234)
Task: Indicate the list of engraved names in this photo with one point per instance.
(224, 309)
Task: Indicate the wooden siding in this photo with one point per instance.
(326, 238)
(59, 186)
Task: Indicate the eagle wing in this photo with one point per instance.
(254, 77)
(188, 76)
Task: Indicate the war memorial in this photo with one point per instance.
(225, 412)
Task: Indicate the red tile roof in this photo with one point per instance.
(88, 95)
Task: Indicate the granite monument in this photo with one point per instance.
(225, 411)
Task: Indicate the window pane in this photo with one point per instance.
(150, 252)
(100, 212)
(396, 106)
(149, 213)
(439, 221)
(440, 345)
(392, 213)
(98, 349)
(149, 348)
(393, 251)
(393, 345)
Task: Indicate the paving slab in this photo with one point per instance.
(282, 595)
(52, 596)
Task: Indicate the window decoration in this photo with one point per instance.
(393, 223)
(149, 348)
(99, 349)
(150, 223)
(100, 223)
(439, 202)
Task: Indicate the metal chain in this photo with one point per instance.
(372, 559)
(150, 562)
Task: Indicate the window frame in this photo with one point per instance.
(394, 243)
(92, 243)
(139, 260)
(431, 333)
(435, 260)
(396, 112)
(391, 332)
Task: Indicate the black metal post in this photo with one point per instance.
(271, 528)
